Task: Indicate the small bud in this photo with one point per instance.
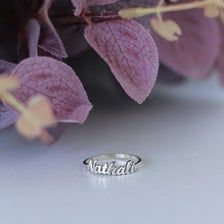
(8, 83)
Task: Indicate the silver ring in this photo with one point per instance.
(113, 164)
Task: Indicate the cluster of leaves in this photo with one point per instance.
(188, 42)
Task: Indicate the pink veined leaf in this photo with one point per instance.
(58, 82)
(50, 41)
(79, 5)
(6, 67)
(194, 54)
(130, 51)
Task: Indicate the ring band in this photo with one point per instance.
(113, 164)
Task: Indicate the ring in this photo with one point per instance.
(113, 164)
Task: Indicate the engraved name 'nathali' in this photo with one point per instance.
(110, 168)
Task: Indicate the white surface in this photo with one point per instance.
(180, 135)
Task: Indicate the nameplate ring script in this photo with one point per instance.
(113, 164)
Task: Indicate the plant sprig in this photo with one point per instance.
(34, 117)
(169, 29)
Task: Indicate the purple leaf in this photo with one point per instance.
(49, 41)
(58, 82)
(7, 117)
(194, 54)
(129, 50)
(6, 67)
(79, 5)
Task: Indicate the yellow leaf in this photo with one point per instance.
(211, 11)
(28, 129)
(38, 117)
(8, 83)
(40, 107)
(168, 29)
(219, 3)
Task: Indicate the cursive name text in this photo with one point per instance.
(110, 168)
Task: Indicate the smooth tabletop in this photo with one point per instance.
(178, 132)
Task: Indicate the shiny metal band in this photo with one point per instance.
(113, 164)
